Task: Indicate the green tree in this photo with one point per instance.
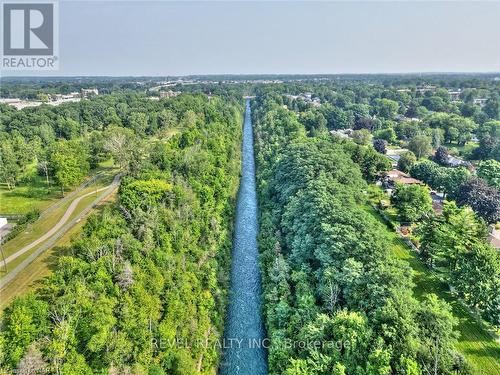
(314, 122)
(406, 161)
(456, 128)
(438, 336)
(386, 108)
(441, 156)
(120, 142)
(24, 321)
(449, 180)
(380, 145)
(44, 98)
(477, 279)
(167, 119)
(490, 171)
(9, 168)
(484, 199)
(412, 201)
(437, 136)
(362, 136)
(489, 141)
(69, 163)
(68, 128)
(138, 122)
(336, 118)
(24, 154)
(420, 145)
(140, 193)
(387, 134)
(492, 107)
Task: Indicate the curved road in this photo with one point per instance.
(61, 222)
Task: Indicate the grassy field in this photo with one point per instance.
(461, 150)
(41, 226)
(33, 193)
(476, 343)
(30, 236)
(29, 279)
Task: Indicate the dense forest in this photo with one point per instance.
(145, 284)
(328, 273)
(144, 287)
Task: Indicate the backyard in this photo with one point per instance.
(477, 342)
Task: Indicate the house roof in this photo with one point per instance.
(401, 177)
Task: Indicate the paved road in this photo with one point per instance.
(60, 223)
(12, 274)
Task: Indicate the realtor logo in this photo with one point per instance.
(28, 29)
(29, 36)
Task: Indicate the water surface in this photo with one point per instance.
(244, 342)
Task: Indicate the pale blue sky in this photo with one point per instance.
(181, 38)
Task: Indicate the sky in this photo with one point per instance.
(158, 38)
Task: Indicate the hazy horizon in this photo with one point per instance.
(429, 73)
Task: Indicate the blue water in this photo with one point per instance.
(244, 345)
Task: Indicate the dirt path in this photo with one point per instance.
(59, 224)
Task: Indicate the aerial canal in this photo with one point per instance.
(244, 344)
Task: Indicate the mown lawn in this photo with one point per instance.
(475, 343)
(30, 194)
(30, 278)
(461, 150)
(41, 226)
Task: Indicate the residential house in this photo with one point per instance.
(455, 95)
(480, 101)
(86, 93)
(388, 180)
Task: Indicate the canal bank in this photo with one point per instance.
(244, 350)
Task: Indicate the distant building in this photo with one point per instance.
(10, 100)
(169, 94)
(480, 102)
(455, 95)
(86, 93)
(307, 97)
(426, 88)
(3, 222)
(20, 104)
(395, 155)
(72, 95)
(56, 99)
